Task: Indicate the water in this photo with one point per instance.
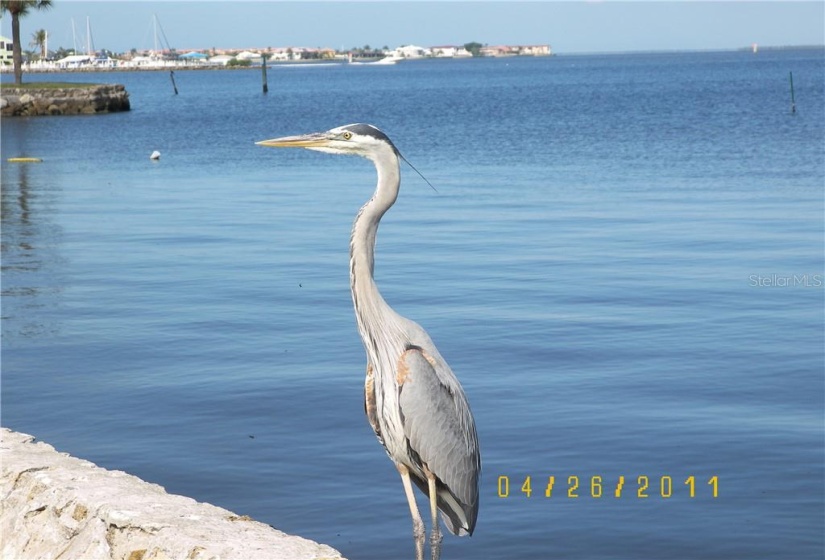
(623, 265)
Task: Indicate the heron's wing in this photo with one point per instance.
(440, 429)
(370, 406)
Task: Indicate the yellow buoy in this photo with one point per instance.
(24, 160)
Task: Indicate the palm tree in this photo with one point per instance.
(39, 39)
(19, 8)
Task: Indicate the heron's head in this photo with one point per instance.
(352, 139)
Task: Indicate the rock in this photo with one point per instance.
(77, 100)
(57, 506)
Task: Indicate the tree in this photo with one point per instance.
(474, 48)
(39, 39)
(19, 8)
(62, 53)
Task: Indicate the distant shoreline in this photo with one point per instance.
(365, 62)
(221, 67)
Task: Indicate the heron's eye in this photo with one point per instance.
(346, 135)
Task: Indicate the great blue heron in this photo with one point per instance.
(413, 401)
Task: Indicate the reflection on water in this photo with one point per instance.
(30, 254)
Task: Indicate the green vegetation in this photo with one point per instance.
(473, 48)
(39, 42)
(241, 63)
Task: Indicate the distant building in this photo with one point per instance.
(6, 56)
(535, 50)
(450, 52)
(315, 54)
(193, 56)
(411, 51)
(221, 59)
(248, 55)
(516, 50)
(74, 61)
(281, 53)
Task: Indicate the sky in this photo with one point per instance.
(569, 27)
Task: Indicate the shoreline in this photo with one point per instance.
(199, 67)
(55, 505)
(219, 67)
(339, 61)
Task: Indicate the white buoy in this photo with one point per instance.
(155, 155)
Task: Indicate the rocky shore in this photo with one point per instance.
(56, 506)
(71, 99)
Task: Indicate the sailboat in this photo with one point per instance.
(155, 57)
(90, 59)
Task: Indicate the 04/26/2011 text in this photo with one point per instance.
(597, 486)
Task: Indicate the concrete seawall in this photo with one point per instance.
(57, 506)
(74, 100)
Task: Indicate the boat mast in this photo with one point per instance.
(88, 37)
(155, 25)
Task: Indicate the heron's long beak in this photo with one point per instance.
(314, 140)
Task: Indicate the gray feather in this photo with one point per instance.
(435, 416)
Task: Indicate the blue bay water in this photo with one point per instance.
(623, 264)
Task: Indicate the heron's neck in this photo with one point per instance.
(365, 295)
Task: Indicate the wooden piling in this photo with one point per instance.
(793, 101)
(263, 73)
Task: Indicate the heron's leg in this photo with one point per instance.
(418, 524)
(435, 532)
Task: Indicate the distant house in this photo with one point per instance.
(143, 61)
(281, 54)
(194, 56)
(412, 51)
(520, 50)
(104, 61)
(248, 55)
(74, 61)
(450, 52)
(221, 59)
(315, 54)
(535, 50)
(6, 56)
(499, 50)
